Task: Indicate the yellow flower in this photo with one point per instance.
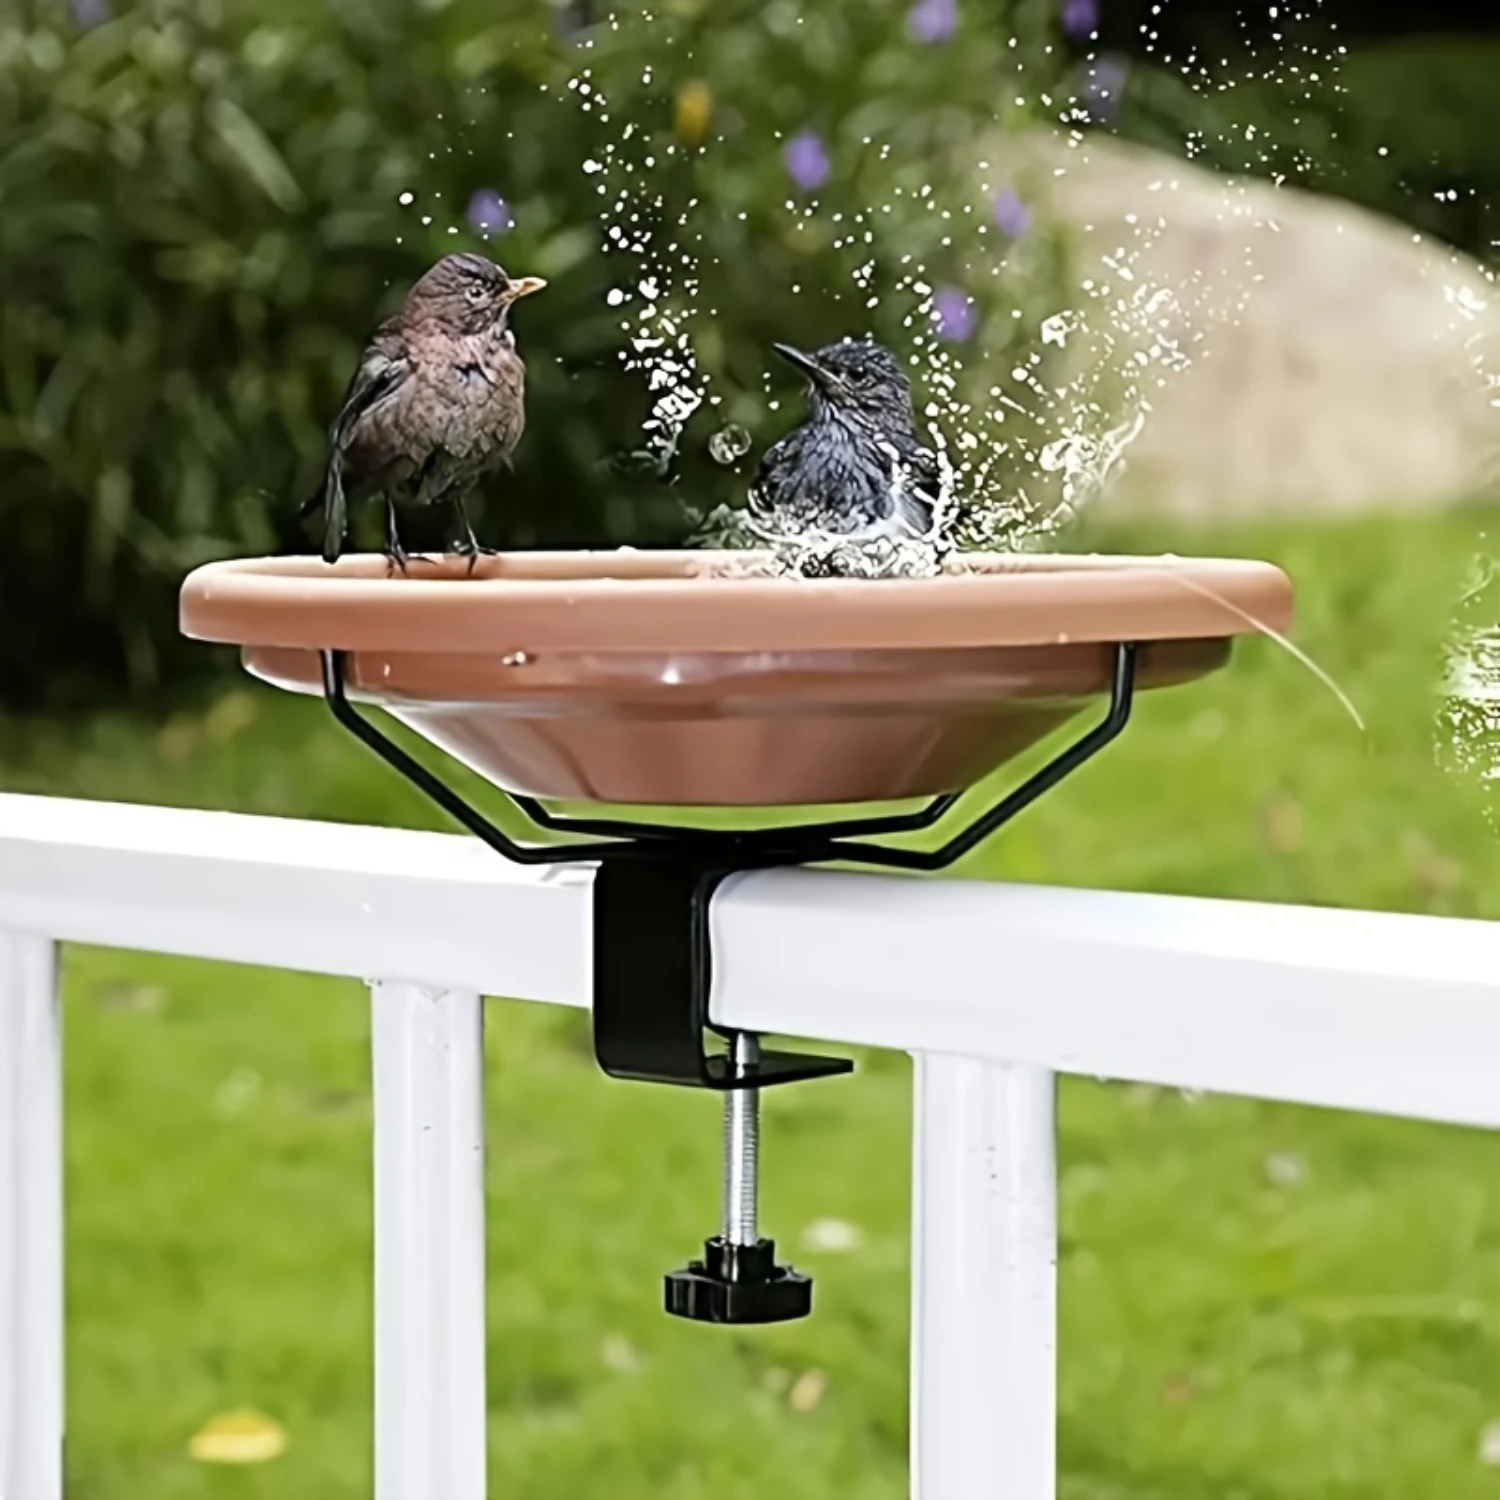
(694, 107)
(238, 1437)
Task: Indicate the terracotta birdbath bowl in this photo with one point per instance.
(676, 679)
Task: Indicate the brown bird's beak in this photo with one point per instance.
(523, 286)
(807, 364)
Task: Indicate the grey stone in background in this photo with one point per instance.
(1339, 362)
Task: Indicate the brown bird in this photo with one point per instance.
(438, 401)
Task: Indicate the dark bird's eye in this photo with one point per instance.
(475, 292)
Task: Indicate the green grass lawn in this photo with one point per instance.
(1258, 1301)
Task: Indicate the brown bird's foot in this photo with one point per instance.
(471, 549)
(396, 556)
(399, 560)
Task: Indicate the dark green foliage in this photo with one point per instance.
(199, 224)
(1408, 126)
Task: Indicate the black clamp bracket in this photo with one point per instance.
(653, 961)
(653, 958)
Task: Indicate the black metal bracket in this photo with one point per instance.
(652, 961)
(653, 971)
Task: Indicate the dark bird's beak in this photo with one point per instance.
(523, 286)
(806, 363)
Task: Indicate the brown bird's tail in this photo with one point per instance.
(330, 495)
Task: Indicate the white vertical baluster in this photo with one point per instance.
(984, 1281)
(429, 1242)
(31, 1238)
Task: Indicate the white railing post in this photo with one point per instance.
(984, 1281)
(428, 1047)
(31, 1239)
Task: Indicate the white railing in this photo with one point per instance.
(993, 988)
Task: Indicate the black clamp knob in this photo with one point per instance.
(738, 1284)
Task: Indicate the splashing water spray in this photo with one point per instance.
(1019, 456)
(1022, 454)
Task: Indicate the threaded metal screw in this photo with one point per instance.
(741, 1148)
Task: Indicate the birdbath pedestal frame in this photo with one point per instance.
(1049, 633)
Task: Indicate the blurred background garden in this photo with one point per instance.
(205, 205)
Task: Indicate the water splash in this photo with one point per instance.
(1468, 715)
(729, 444)
(1034, 389)
(657, 285)
(1290, 647)
(951, 328)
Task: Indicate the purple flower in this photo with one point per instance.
(953, 312)
(930, 21)
(806, 161)
(1104, 86)
(1012, 217)
(487, 212)
(88, 14)
(1080, 18)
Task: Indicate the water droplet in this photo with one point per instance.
(729, 444)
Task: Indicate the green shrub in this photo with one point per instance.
(199, 223)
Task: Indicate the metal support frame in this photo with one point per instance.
(746, 849)
(653, 958)
(652, 953)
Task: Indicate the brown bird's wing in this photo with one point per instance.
(382, 369)
(383, 366)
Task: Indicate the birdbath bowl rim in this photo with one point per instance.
(688, 679)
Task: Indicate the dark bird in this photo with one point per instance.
(855, 465)
(438, 401)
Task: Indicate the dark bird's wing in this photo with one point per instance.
(382, 370)
(917, 487)
(777, 475)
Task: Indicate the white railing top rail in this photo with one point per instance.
(1362, 1010)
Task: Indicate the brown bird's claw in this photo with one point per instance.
(398, 559)
(473, 551)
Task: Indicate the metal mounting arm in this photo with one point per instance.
(652, 953)
(754, 848)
